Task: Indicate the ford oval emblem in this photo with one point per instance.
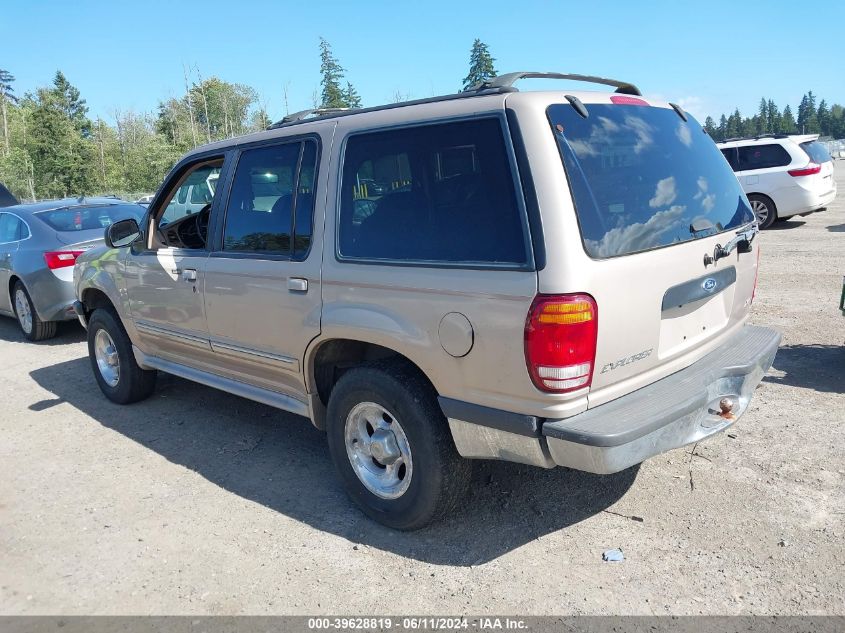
(709, 284)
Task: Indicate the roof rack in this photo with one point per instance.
(304, 114)
(756, 137)
(495, 85)
(507, 81)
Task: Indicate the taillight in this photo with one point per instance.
(560, 341)
(61, 259)
(809, 170)
(625, 100)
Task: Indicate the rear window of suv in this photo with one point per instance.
(816, 151)
(643, 178)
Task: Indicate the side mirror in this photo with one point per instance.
(122, 233)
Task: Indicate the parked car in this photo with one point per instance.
(144, 201)
(39, 244)
(783, 175)
(7, 198)
(562, 279)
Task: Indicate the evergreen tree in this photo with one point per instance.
(723, 128)
(788, 124)
(710, 128)
(773, 117)
(761, 121)
(823, 117)
(71, 103)
(331, 73)
(7, 95)
(480, 65)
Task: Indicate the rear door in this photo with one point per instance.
(10, 234)
(262, 281)
(653, 198)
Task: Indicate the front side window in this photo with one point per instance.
(643, 178)
(433, 193)
(763, 156)
(271, 202)
(730, 155)
(185, 218)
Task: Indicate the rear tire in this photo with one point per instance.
(383, 415)
(33, 328)
(110, 350)
(764, 210)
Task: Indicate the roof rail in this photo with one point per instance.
(509, 79)
(303, 114)
(756, 137)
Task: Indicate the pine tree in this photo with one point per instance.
(480, 65)
(723, 127)
(773, 117)
(71, 103)
(788, 124)
(823, 116)
(710, 128)
(761, 121)
(6, 96)
(331, 73)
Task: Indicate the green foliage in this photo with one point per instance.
(331, 77)
(480, 65)
(823, 120)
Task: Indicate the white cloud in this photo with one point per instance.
(683, 133)
(695, 106)
(664, 193)
(640, 236)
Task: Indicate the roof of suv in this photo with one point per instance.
(477, 101)
(767, 138)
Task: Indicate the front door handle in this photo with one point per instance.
(189, 275)
(297, 284)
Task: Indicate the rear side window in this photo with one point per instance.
(272, 200)
(730, 155)
(816, 151)
(643, 178)
(433, 193)
(12, 228)
(89, 218)
(763, 157)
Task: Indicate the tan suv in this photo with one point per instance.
(551, 278)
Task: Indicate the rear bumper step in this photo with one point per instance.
(680, 409)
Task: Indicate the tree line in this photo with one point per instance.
(825, 120)
(51, 148)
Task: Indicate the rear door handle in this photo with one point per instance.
(189, 275)
(297, 284)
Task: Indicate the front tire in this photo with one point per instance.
(33, 328)
(392, 448)
(764, 210)
(117, 373)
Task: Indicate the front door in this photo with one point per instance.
(165, 273)
(262, 281)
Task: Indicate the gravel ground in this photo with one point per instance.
(198, 502)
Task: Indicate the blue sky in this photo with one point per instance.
(709, 56)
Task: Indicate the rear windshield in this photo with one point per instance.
(643, 178)
(816, 151)
(91, 217)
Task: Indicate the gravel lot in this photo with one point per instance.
(198, 502)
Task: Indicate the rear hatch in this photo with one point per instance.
(653, 197)
(820, 181)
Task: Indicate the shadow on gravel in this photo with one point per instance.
(818, 367)
(67, 332)
(783, 225)
(282, 461)
(836, 228)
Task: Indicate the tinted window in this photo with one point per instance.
(87, 218)
(763, 157)
(266, 202)
(441, 193)
(11, 228)
(642, 177)
(6, 197)
(816, 151)
(730, 155)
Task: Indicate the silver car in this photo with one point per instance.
(39, 244)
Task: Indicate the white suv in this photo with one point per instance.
(782, 175)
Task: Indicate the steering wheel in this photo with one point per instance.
(201, 224)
